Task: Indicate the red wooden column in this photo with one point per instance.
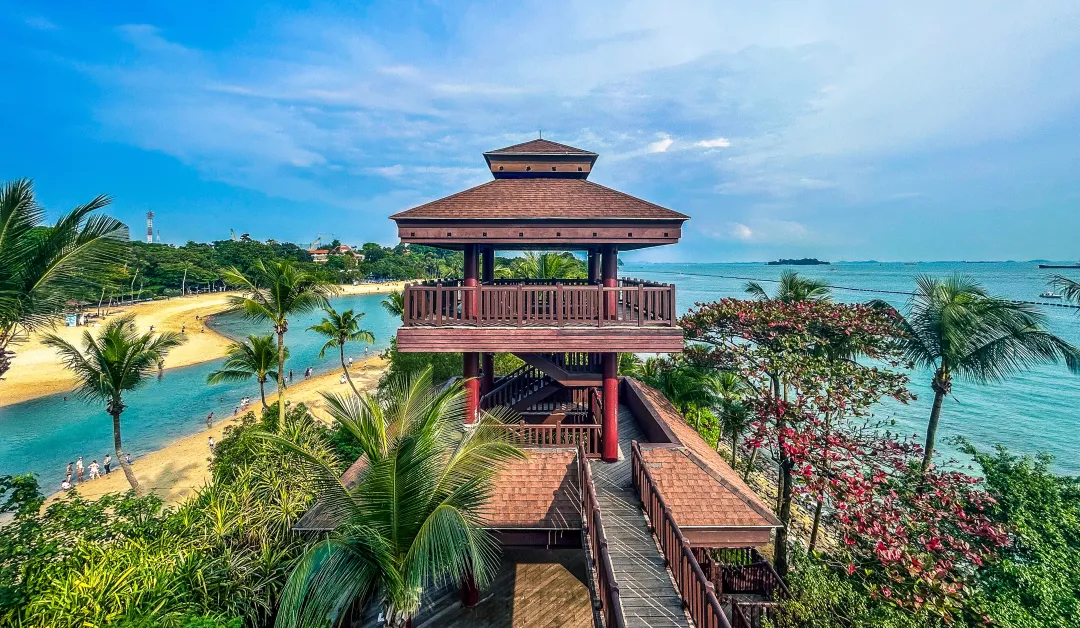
(471, 277)
(609, 425)
(487, 360)
(610, 272)
(470, 371)
(470, 593)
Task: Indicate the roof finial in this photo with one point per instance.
(541, 133)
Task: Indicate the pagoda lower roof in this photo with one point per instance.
(540, 199)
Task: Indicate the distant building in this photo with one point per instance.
(345, 249)
(319, 256)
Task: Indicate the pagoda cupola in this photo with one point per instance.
(540, 159)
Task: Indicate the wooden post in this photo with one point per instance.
(471, 281)
(488, 264)
(470, 593)
(487, 373)
(609, 448)
(610, 272)
(470, 372)
(594, 265)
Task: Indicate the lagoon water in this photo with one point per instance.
(42, 435)
(1034, 411)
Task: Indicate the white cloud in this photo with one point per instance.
(661, 145)
(740, 231)
(719, 142)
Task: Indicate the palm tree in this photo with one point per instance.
(734, 417)
(118, 360)
(1070, 288)
(535, 265)
(792, 289)
(956, 329)
(255, 358)
(273, 294)
(394, 303)
(42, 267)
(414, 516)
(339, 328)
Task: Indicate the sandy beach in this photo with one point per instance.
(176, 471)
(36, 371)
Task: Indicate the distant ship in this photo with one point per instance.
(1051, 295)
(806, 261)
(1059, 265)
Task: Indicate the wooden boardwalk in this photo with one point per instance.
(648, 595)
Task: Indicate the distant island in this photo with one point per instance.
(1059, 265)
(806, 261)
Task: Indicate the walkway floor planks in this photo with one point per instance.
(649, 598)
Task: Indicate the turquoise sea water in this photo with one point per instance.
(1038, 410)
(1034, 411)
(43, 435)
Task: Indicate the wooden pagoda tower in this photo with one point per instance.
(568, 332)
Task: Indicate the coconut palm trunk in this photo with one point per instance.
(941, 385)
(344, 367)
(280, 329)
(262, 392)
(115, 408)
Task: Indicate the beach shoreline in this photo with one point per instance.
(37, 371)
(177, 470)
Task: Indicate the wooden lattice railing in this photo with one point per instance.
(560, 304)
(695, 589)
(607, 588)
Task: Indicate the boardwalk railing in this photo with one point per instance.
(584, 436)
(695, 589)
(511, 389)
(607, 589)
(631, 303)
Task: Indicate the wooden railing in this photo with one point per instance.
(607, 589)
(695, 589)
(583, 435)
(525, 304)
(737, 573)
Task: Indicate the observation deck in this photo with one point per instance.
(540, 315)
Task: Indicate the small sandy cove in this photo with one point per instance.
(36, 370)
(176, 471)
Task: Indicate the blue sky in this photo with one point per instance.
(900, 131)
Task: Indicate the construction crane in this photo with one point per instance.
(318, 240)
(149, 227)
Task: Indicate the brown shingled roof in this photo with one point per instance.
(540, 198)
(539, 492)
(698, 485)
(540, 146)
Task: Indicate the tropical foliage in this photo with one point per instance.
(791, 288)
(549, 265)
(413, 518)
(42, 266)
(115, 362)
(255, 358)
(273, 293)
(218, 560)
(954, 328)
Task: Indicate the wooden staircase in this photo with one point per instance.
(569, 369)
(537, 394)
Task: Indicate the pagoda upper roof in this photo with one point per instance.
(540, 198)
(540, 147)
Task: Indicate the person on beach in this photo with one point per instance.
(107, 463)
(79, 469)
(95, 470)
(66, 484)
(210, 442)
(183, 328)
(210, 419)
(342, 378)
(127, 458)
(350, 360)
(290, 373)
(236, 410)
(70, 469)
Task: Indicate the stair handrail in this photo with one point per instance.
(696, 590)
(607, 587)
